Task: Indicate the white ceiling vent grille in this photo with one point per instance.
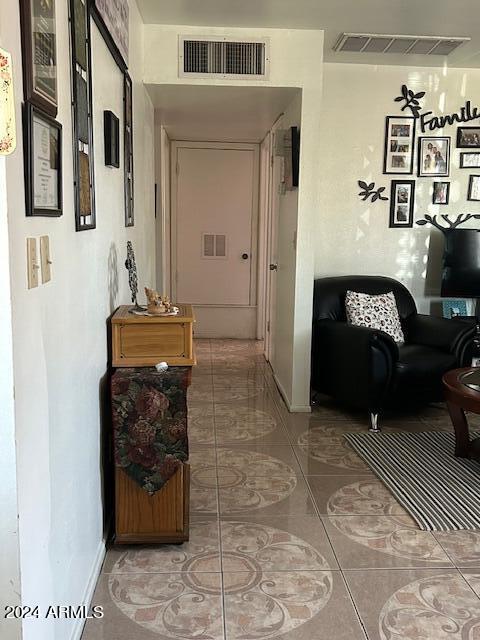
(416, 45)
(225, 57)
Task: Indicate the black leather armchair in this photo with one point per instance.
(364, 368)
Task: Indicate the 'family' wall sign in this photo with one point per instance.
(430, 122)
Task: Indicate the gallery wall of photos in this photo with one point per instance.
(43, 146)
(411, 150)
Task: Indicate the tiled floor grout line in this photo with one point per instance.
(468, 583)
(354, 605)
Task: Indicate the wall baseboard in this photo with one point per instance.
(79, 625)
(293, 408)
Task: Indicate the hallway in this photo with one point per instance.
(291, 535)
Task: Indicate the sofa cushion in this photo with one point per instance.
(374, 311)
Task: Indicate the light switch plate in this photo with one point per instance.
(45, 259)
(32, 263)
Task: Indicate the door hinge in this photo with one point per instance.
(177, 168)
(272, 160)
(268, 326)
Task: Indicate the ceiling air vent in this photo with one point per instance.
(226, 57)
(416, 45)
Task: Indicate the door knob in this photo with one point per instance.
(244, 256)
(273, 266)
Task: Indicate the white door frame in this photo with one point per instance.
(271, 232)
(165, 190)
(255, 266)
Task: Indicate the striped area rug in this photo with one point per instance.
(439, 491)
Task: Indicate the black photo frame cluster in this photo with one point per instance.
(433, 161)
(82, 115)
(42, 134)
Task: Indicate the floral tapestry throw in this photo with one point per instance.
(149, 412)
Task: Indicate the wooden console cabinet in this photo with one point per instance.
(163, 517)
(150, 444)
(143, 341)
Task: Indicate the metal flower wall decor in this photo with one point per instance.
(450, 223)
(369, 191)
(131, 266)
(411, 100)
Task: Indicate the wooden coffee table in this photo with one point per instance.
(461, 398)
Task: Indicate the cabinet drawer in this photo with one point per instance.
(153, 340)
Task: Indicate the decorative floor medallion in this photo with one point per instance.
(201, 425)
(366, 497)
(242, 423)
(262, 604)
(235, 395)
(367, 513)
(441, 607)
(328, 446)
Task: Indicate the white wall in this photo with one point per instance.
(9, 547)
(295, 61)
(59, 334)
(353, 236)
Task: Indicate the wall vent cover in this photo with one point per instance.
(214, 245)
(226, 57)
(416, 45)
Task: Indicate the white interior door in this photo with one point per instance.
(214, 235)
(272, 249)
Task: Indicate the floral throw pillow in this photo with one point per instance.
(376, 312)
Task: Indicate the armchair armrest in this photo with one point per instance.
(453, 336)
(353, 364)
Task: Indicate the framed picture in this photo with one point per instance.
(8, 132)
(39, 51)
(441, 193)
(433, 157)
(112, 20)
(468, 137)
(399, 145)
(43, 163)
(474, 189)
(454, 308)
(402, 201)
(111, 136)
(82, 118)
(470, 160)
(128, 150)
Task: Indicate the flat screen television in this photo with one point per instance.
(461, 264)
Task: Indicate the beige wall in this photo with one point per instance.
(353, 236)
(59, 334)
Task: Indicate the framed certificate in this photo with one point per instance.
(43, 163)
(39, 49)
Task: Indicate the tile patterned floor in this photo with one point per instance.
(292, 537)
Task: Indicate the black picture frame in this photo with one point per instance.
(111, 137)
(295, 136)
(32, 115)
(107, 36)
(82, 115)
(465, 155)
(472, 187)
(128, 150)
(39, 54)
(435, 195)
(437, 171)
(392, 136)
(402, 204)
(473, 132)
